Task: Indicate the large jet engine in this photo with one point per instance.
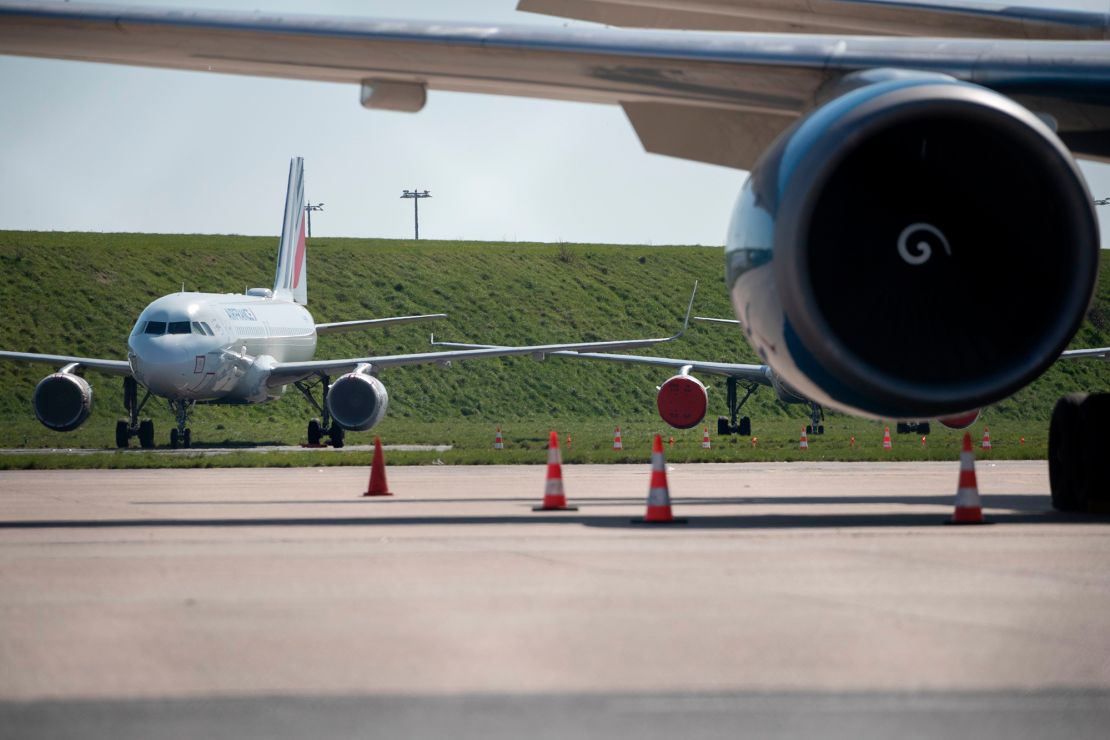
(357, 400)
(914, 248)
(682, 401)
(62, 401)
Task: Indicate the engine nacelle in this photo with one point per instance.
(682, 401)
(357, 401)
(62, 401)
(913, 248)
(960, 421)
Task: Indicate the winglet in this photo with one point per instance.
(686, 319)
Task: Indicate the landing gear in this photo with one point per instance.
(1078, 468)
(323, 427)
(181, 436)
(730, 424)
(131, 426)
(816, 417)
(912, 427)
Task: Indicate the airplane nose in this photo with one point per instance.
(167, 368)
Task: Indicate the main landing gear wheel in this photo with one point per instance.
(146, 434)
(337, 435)
(123, 434)
(314, 432)
(1078, 466)
(175, 438)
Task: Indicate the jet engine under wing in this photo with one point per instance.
(111, 367)
(730, 94)
(881, 17)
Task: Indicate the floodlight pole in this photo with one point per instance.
(416, 195)
(309, 208)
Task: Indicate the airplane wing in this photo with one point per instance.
(111, 367)
(1076, 354)
(712, 97)
(750, 373)
(336, 327)
(885, 17)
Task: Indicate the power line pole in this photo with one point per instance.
(309, 208)
(416, 195)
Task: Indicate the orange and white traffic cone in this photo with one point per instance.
(968, 508)
(617, 443)
(852, 441)
(923, 440)
(887, 445)
(659, 496)
(705, 443)
(803, 443)
(553, 497)
(755, 441)
(986, 445)
(672, 441)
(377, 485)
(498, 441)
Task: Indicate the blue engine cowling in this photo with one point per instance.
(916, 247)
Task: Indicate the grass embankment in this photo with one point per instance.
(79, 294)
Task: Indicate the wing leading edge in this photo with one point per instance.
(676, 87)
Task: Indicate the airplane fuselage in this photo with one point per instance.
(215, 347)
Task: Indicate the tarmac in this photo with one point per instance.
(800, 599)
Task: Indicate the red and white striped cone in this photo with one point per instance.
(986, 445)
(659, 496)
(498, 441)
(803, 443)
(968, 508)
(553, 497)
(617, 443)
(887, 445)
(705, 443)
(923, 441)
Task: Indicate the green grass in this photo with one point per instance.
(78, 293)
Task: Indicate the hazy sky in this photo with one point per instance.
(99, 147)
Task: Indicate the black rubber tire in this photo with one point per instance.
(723, 426)
(123, 434)
(174, 439)
(1094, 443)
(744, 428)
(1065, 458)
(314, 432)
(902, 428)
(146, 434)
(337, 434)
(924, 428)
(187, 440)
(820, 428)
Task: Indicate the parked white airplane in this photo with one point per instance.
(899, 183)
(191, 348)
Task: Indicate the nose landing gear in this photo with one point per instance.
(181, 436)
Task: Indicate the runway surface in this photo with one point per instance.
(800, 599)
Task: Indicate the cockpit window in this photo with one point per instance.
(179, 327)
(197, 328)
(207, 329)
(156, 327)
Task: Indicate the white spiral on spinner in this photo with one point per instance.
(924, 250)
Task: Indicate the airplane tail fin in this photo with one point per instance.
(291, 278)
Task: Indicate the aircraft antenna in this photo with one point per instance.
(416, 195)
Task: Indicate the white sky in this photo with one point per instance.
(105, 148)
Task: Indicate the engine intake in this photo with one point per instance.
(682, 401)
(62, 401)
(912, 249)
(357, 401)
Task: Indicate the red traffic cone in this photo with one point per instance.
(672, 441)
(968, 509)
(803, 443)
(659, 497)
(705, 443)
(852, 441)
(553, 497)
(755, 441)
(617, 444)
(378, 485)
(923, 440)
(986, 438)
(886, 439)
(498, 441)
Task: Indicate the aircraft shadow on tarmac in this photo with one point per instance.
(1000, 509)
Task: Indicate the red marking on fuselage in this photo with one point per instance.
(298, 257)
